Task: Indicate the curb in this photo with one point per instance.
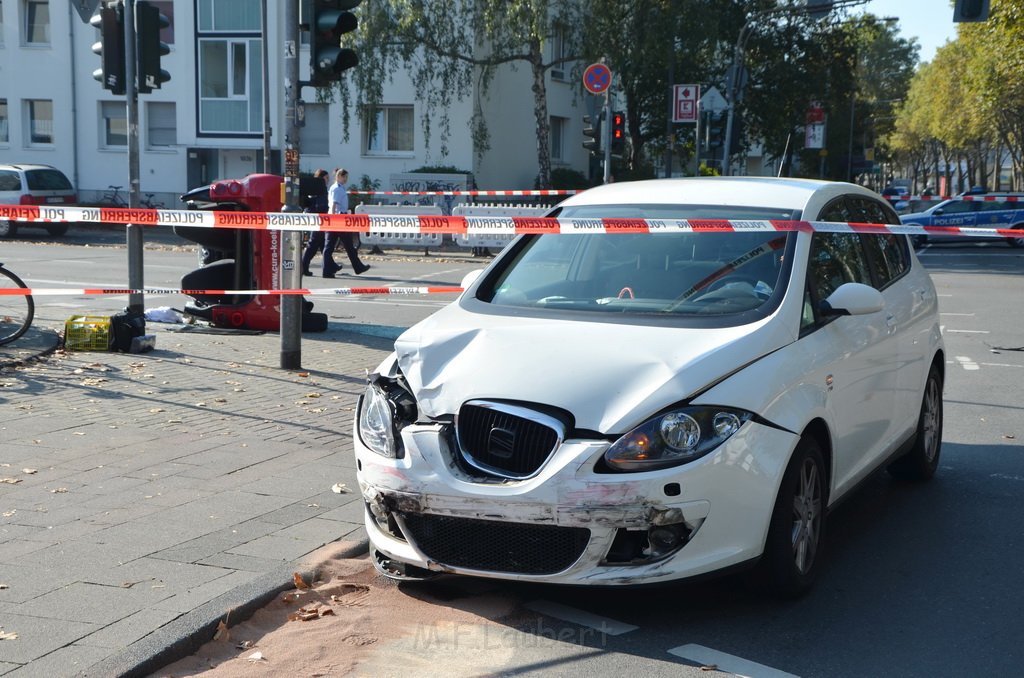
(189, 632)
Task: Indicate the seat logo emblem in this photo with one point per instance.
(501, 442)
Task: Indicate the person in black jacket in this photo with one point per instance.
(316, 201)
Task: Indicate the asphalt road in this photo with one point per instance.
(918, 580)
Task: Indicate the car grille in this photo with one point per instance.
(506, 440)
(493, 546)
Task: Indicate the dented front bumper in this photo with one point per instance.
(570, 523)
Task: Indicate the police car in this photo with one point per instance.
(990, 210)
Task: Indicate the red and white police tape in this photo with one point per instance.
(458, 225)
(336, 292)
(968, 198)
(548, 191)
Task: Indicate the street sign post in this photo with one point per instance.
(86, 8)
(597, 78)
(713, 101)
(685, 98)
(814, 127)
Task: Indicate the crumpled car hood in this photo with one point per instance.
(609, 376)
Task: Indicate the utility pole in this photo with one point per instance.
(266, 89)
(136, 302)
(291, 304)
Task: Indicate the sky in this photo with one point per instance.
(930, 21)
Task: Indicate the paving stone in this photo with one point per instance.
(70, 660)
(82, 602)
(38, 636)
(126, 631)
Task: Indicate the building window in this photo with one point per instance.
(37, 22)
(5, 129)
(161, 124)
(230, 86)
(558, 52)
(40, 121)
(229, 15)
(316, 135)
(392, 132)
(114, 118)
(558, 126)
(1, 23)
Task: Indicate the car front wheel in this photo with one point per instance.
(792, 549)
(1017, 242)
(7, 228)
(923, 458)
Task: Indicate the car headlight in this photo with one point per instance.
(376, 422)
(674, 438)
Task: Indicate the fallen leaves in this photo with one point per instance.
(340, 488)
(10, 481)
(8, 635)
(222, 633)
(310, 613)
(300, 583)
(256, 657)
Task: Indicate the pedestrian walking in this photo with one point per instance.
(337, 197)
(316, 201)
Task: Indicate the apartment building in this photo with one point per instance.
(207, 122)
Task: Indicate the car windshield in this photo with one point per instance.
(47, 180)
(706, 273)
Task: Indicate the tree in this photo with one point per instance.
(451, 48)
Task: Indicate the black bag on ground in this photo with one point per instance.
(127, 325)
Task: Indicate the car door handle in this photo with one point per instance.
(890, 323)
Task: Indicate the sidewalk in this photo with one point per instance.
(146, 496)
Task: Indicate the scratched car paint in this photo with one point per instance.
(613, 408)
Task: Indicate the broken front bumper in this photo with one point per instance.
(569, 523)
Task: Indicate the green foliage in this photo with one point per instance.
(705, 171)
(439, 169)
(565, 178)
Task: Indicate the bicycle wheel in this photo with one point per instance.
(16, 310)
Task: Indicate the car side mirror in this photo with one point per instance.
(471, 278)
(853, 299)
(939, 211)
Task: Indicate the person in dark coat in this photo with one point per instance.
(316, 201)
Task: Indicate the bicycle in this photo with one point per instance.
(112, 198)
(149, 204)
(16, 310)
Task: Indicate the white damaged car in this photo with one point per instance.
(624, 408)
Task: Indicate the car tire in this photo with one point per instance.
(923, 458)
(918, 241)
(57, 230)
(792, 549)
(1016, 242)
(8, 229)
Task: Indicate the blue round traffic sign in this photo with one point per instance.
(597, 78)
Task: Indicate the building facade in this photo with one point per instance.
(208, 121)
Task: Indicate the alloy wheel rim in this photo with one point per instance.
(931, 420)
(806, 516)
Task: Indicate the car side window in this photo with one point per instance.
(838, 210)
(959, 206)
(888, 257)
(9, 181)
(836, 258)
(870, 211)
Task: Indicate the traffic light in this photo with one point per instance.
(618, 132)
(327, 59)
(971, 10)
(716, 130)
(149, 21)
(736, 139)
(592, 130)
(110, 21)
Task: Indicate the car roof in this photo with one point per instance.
(26, 166)
(782, 193)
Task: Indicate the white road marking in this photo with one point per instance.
(970, 331)
(1000, 365)
(581, 617)
(1005, 476)
(967, 363)
(437, 275)
(969, 315)
(727, 662)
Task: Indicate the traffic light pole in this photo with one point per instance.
(608, 135)
(291, 265)
(136, 302)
